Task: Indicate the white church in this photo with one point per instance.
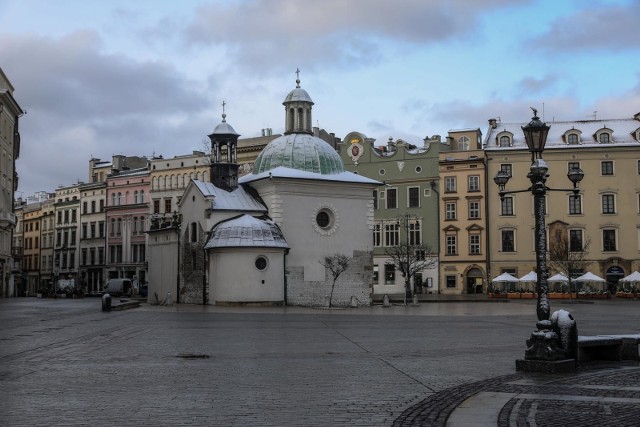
(260, 239)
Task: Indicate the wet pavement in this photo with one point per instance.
(66, 362)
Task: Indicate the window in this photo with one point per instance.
(608, 204)
(93, 206)
(474, 183)
(572, 139)
(101, 205)
(84, 257)
(101, 229)
(113, 199)
(506, 206)
(59, 217)
(450, 211)
(66, 217)
(377, 235)
(389, 274)
(474, 209)
(474, 244)
(609, 240)
(194, 231)
(391, 234)
(141, 196)
(450, 184)
(84, 207)
(505, 141)
(93, 230)
(506, 167)
(508, 241)
(325, 219)
(575, 204)
(73, 215)
(167, 205)
(604, 138)
(376, 274)
(392, 199)
(156, 206)
(606, 167)
(452, 244)
(413, 196)
(113, 227)
(119, 199)
(261, 263)
(134, 225)
(463, 143)
(73, 238)
(375, 199)
(575, 240)
(573, 165)
(135, 197)
(92, 256)
(84, 230)
(414, 232)
(118, 226)
(451, 281)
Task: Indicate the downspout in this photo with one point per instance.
(178, 271)
(433, 188)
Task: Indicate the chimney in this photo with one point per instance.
(493, 123)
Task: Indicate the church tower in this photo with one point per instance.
(224, 171)
(297, 106)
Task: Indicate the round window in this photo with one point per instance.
(261, 263)
(418, 169)
(323, 219)
(381, 171)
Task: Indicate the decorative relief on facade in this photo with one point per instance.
(400, 166)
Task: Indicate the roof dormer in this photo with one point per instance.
(572, 136)
(636, 134)
(604, 135)
(504, 139)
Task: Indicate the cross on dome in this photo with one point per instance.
(297, 77)
(224, 115)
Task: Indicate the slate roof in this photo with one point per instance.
(283, 172)
(246, 231)
(236, 200)
(622, 133)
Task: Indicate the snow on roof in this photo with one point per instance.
(236, 200)
(622, 133)
(282, 172)
(246, 231)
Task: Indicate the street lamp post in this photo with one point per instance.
(543, 344)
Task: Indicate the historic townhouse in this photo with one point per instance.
(47, 239)
(405, 208)
(18, 281)
(463, 241)
(606, 213)
(127, 212)
(67, 223)
(93, 236)
(169, 178)
(32, 218)
(10, 113)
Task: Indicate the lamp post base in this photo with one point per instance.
(546, 366)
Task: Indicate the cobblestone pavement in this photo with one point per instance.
(65, 362)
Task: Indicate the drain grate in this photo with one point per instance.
(192, 356)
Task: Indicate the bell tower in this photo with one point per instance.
(224, 165)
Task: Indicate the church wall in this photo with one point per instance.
(163, 257)
(192, 267)
(234, 277)
(297, 205)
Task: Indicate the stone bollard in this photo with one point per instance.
(385, 301)
(415, 299)
(106, 302)
(354, 302)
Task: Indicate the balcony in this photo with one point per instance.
(17, 252)
(7, 220)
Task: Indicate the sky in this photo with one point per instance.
(148, 77)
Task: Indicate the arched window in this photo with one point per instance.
(290, 124)
(572, 139)
(463, 143)
(135, 197)
(300, 119)
(505, 141)
(113, 199)
(604, 138)
(141, 196)
(119, 200)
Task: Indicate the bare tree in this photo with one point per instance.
(337, 264)
(410, 259)
(568, 257)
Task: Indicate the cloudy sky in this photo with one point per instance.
(148, 77)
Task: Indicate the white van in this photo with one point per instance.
(117, 287)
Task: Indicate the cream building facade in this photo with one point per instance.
(93, 236)
(67, 239)
(10, 113)
(606, 212)
(463, 215)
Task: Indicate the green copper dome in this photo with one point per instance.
(299, 151)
